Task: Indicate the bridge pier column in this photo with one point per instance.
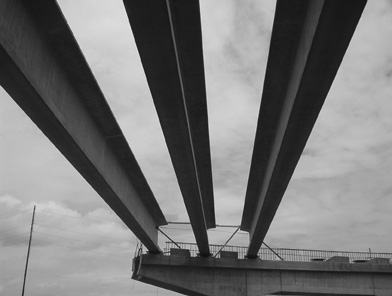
(248, 277)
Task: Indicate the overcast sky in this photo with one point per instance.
(340, 197)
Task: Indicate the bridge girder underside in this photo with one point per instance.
(308, 42)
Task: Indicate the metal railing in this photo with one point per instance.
(298, 255)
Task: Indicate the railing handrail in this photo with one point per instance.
(287, 254)
(316, 250)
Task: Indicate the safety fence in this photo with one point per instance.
(298, 255)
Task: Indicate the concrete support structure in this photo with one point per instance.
(44, 71)
(168, 37)
(245, 277)
(309, 40)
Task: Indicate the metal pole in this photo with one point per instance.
(273, 251)
(227, 241)
(189, 223)
(168, 238)
(28, 252)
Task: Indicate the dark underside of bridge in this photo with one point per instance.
(45, 72)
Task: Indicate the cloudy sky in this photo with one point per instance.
(340, 197)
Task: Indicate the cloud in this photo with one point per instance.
(10, 201)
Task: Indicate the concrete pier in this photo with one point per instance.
(247, 277)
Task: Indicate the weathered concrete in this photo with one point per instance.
(338, 259)
(309, 40)
(248, 277)
(168, 37)
(228, 254)
(44, 71)
(180, 252)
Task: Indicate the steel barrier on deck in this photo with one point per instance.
(298, 255)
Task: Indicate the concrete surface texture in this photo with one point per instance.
(251, 277)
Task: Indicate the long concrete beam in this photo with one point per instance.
(44, 71)
(243, 277)
(168, 37)
(308, 42)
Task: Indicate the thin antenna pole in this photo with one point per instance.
(28, 252)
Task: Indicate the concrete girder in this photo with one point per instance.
(244, 277)
(44, 71)
(308, 42)
(168, 37)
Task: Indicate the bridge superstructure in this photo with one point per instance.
(44, 71)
